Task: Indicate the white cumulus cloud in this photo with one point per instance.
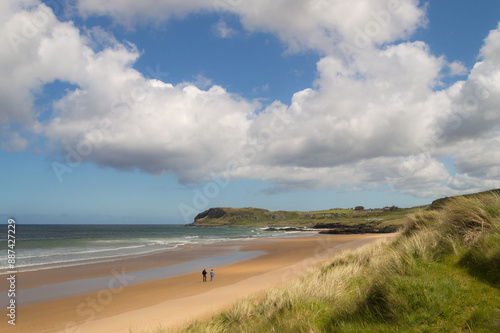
(376, 117)
(302, 24)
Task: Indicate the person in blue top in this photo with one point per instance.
(212, 274)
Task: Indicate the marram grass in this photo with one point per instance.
(440, 274)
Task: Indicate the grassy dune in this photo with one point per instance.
(440, 274)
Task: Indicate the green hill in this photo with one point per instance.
(224, 216)
(336, 220)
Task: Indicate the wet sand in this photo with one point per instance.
(169, 302)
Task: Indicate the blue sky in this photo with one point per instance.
(151, 112)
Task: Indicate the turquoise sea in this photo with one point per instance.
(49, 246)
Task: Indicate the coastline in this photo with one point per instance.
(171, 301)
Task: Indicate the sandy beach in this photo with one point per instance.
(169, 302)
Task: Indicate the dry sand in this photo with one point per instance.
(173, 301)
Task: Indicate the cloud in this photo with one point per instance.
(491, 47)
(222, 30)
(262, 89)
(457, 68)
(12, 142)
(122, 120)
(115, 117)
(382, 109)
(130, 13)
(383, 118)
(313, 24)
(25, 30)
(160, 128)
(202, 81)
(362, 126)
(480, 161)
(376, 117)
(419, 175)
(470, 128)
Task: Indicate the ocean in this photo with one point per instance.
(50, 246)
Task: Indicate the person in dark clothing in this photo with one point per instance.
(204, 273)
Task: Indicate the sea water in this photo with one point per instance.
(50, 246)
(77, 287)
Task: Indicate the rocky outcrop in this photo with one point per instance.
(212, 213)
(339, 228)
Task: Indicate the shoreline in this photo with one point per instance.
(82, 286)
(40, 277)
(168, 257)
(174, 300)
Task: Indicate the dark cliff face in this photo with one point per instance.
(212, 213)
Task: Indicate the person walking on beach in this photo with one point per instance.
(204, 273)
(212, 274)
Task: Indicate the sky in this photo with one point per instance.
(151, 111)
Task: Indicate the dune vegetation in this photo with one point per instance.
(441, 273)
